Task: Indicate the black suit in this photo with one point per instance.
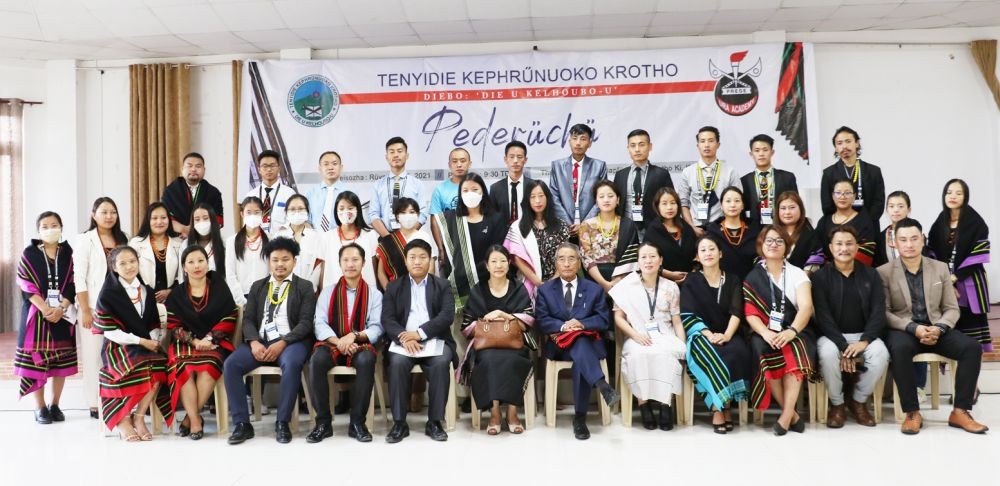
(783, 181)
(656, 178)
(395, 312)
(500, 194)
(872, 188)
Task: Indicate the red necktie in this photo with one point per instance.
(576, 179)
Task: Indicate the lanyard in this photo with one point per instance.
(53, 273)
(715, 180)
(856, 177)
(770, 283)
(761, 188)
(954, 251)
(273, 305)
(718, 292)
(652, 301)
(197, 191)
(892, 242)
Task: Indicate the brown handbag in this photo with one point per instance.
(497, 335)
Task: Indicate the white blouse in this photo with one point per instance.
(241, 274)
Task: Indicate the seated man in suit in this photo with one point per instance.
(850, 311)
(922, 309)
(347, 328)
(573, 312)
(277, 329)
(417, 313)
(765, 183)
(572, 180)
(639, 182)
(507, 193)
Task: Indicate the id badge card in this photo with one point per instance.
(858, 203)
(637, 213)
(576, 215)
(393, 224)
(652, 326)
(766, 215)
(266, 227)
(271, 331)
(701, 211)
(53, 299)
(774, 321)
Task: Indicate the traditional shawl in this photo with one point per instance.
(966, 257)
(862, 222)
(129, 371)
(678, 256)
(44, 349)
(807, 249)
(699, 299)
(525, 248)
(344, 321)
(218, 318)
(390, 253)
(460, 266)
(626, 251)
(774, 364)
(177, 198)
(736, 259)
(516, 302)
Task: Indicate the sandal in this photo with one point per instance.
(198, 434)
(146, 436)
(515, 428)
(493, 429)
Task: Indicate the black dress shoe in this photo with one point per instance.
(56, 413)
(666, 417)
(580, 430)
(779, 430)
(241, 433)
(282, 433)
(343, 403)
(359, 431)
(611, 397)
(648, 420)
(184, 430)
(400, 430)
(320, 432)
(42, 416)
(435, 431)
(94, 415)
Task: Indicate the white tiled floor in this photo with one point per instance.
(76, 452)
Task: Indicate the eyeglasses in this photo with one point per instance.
(774, 242)
(268, 166)
(843, 194)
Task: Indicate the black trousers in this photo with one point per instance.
(435, 369)
(953, 344)
(361, 391)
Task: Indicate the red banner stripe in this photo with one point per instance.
(527, 93)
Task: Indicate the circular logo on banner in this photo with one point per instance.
(313, 100)
(736, 92)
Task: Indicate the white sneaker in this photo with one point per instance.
(921, 395)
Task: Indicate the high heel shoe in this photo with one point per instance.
(184, 430)
(197, 435)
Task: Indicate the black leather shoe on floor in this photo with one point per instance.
(435, 431)
(282, 433)
(94, 415)
(666, 417)
(241, 433)
(42, 416)
(648, 419)
(611, 397)
(400, 431)
(56, 413)
(580, 430)
(320, 432)
(799, 426)
(359, 431)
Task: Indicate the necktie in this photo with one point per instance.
(327, 209)
(765, 187)
(395, 191)
(576, 180)
(267, 203)
(637, 186)
(569, 296)
(513, 201)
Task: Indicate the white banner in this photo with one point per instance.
(303, 108)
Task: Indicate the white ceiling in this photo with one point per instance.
(121, 29)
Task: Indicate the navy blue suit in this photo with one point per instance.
(591, 309)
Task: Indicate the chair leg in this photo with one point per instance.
(605, 409)
(813, 403)
(476, 416)
(380, 393)
(758, 417)
(877, 398)
(157, 418)
(530, 404)
(309, 406)
(897, 407)
(822, 402)
(451, 408)
(333, 397)
(935, 375)
(626, 401)
(551, 386)
(257, 390)
(688, 400)
(221, 408)
(743, 412)
(371, 411)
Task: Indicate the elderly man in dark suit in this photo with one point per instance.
(417, 313)
(574, 313)
(277, 328)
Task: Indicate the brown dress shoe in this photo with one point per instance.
(860, 412)
(962, 419)
(836, 416)
(913, 423)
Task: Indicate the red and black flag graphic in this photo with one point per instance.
(264, 131)
(791, 101)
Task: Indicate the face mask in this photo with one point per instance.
(51, 235)
(346, 217)
(472, 199)
(298, 217)
(203, 227)
(408, 220)
(252, 221)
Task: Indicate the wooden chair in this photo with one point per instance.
(813, 390)
(935, 377)
(376, 392)
(451, 406)
(529, 406)
(552, 369)
(823, 400)
(683, 403)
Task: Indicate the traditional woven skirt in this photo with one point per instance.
(183, 360)
(796, 357)
(44, 350)
(129, 372)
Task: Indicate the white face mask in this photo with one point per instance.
(472, 199)
(203, 228)
(298, 217)
(252, 221)
(51, 235)
(346, 217)
(408, 220)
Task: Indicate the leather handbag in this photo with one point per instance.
(498, 335)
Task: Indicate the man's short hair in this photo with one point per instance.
(909, 223)
(394, 140)
(571, 246)
(279, 244)
(762, 138)
(844, 229)
(708, 128)
(340, 254)
(268, 153)
(581, 129)
(417, 244)
(329, 152)
(638, 132)
(195, 155)
(515, 144)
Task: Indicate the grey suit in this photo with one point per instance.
(561, 185)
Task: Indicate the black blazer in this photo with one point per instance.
(656, 178)
(872, 185)
(500, 194)
(440, 308)
(301, 308)
(783, 181)
(828, 293)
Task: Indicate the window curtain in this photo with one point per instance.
(11, 182)
(237, 82)
(985, 54)
(160, 122)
